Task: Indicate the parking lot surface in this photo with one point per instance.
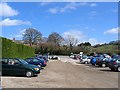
(65, 73)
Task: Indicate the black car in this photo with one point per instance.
(16, 66)
(115, 64)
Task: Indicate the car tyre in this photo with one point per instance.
(118, 69)
(86, 62)
(29, 73)
(103, 65)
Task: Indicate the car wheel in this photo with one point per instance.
(118, 69)
(29, 73)
(103, 65)
(93, 64)
(86, 62)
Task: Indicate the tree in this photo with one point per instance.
(71, 41)
(31, 36)
(84, 44)
(55, 38)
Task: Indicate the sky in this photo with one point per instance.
(94, 22)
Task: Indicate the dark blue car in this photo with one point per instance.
(36, 61)
(93, 60)
(45, 57)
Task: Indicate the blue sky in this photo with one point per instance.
(96, 22)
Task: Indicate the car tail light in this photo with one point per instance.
(115, 63)
(44, 62)
(98, 60)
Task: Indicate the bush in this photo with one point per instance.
(11, 49)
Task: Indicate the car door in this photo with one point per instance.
(15, 67)
(5, 69)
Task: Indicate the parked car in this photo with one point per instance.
(85, 59)
(77, 56)
(46, 57)
(115, 64)
(16, 66)
(36, 61)
(55, 57)
(93, 60)
(71, 56)
(100, 60)
(103, 60)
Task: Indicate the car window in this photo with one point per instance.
(11, 62)
(4, 61)
(28, 60)
(16, 62)
(35, 60)
(119, 60)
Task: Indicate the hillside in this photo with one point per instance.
(110, 49)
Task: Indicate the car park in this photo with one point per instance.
(16, 66)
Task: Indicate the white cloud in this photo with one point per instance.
(6, 10)
(75, 33)
(19, 35)
(53, 10)
(94, 41)
(115, 10)
(93, 5)
(45, 3)
(112, 31)
(92, 14)
(22, 32)
(81, 37)
(9, 22)
(70, 6)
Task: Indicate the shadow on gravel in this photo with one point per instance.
(107, 70)
(93, 66)
(17, 76)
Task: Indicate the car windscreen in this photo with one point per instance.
(41, 59)
(35, 60)
(114, 59)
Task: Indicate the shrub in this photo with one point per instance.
(11, 49)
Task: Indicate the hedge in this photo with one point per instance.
(11, 49)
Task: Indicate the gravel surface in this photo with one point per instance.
(66, 73)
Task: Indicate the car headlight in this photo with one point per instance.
(36, 69)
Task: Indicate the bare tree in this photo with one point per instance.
(31, 36)
(71, 41)
(55, 38)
